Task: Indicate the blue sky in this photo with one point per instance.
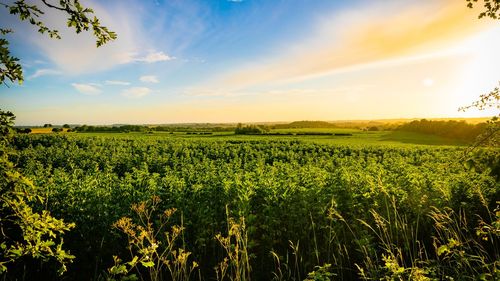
(251, 60)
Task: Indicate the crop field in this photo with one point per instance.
(373, 205)
(356, 137)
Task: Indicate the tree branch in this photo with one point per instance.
(55, 7)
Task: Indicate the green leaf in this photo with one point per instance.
(443, 250)
(147, 263)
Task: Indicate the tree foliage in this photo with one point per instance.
(491, 8)
(491, 99)
(488, 100)
(25, 231)
(459, 130)
(78, 17)
(249, 130)
(491, 134)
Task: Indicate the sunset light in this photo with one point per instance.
(256, 61)
(249, 140)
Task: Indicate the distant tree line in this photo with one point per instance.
(149, 129)
(23, 130)
(250, 130)
(362, 125)
(304, 124)
(116, 129)
(459, 130)
(192, 128)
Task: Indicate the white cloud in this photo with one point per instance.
(87, 89)
(149, 79)
(154, 57)
(116, 82)
(136, 92)
(44, 72)
(123, 19)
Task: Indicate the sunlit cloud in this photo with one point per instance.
(116, 83)
(278, 92)
(136, 92)
(149, 79)
(122, 19)
(362, 36)
(44, 72)
(87, 89)
(154, 57)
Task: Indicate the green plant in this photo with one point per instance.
(25, 231)
(320, 273)
(464, 251)
(152, 246)
(236, 266)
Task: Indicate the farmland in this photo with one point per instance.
(371, 205)
(355, 137)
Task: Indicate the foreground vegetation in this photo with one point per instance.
(241, 209)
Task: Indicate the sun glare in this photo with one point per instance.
(428, 82)
(480, 71)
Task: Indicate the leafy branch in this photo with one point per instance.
(79, 17)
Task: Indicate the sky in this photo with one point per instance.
(185, 61)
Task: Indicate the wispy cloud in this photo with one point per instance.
(277, 92)
(87, 89)
(125, 20)
(116, 82)
(154, 57)
(136, 92)
(44, 72)
(149, 79)
(364, 36)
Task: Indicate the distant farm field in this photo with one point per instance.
(41, 130)
(44, 130)
(344, 137)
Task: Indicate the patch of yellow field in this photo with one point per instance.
(44, 130)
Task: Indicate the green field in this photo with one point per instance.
(276, 207)
(358, 137)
